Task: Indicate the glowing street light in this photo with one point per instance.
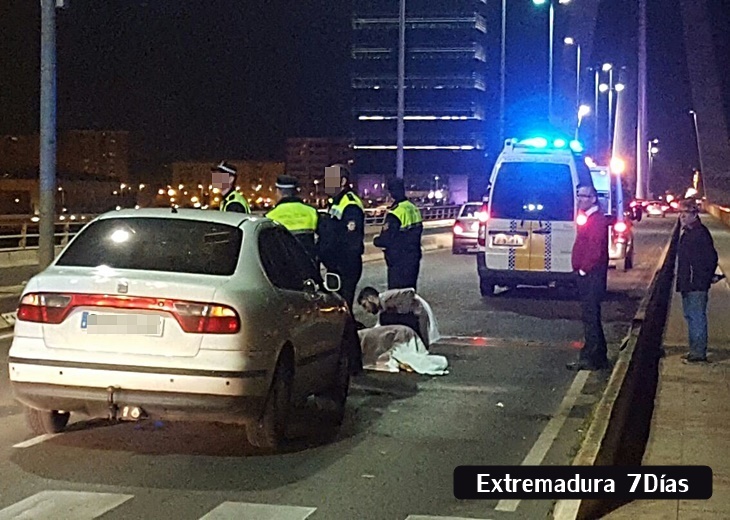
(618, 166)
(606, 67)
(619, 87)
(584, 110)
(603, 87)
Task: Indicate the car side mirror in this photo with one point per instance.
(332, 282)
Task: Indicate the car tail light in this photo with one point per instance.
(674, 205)
(620, 227)
(483, 216)
(581, 219)
(194, 317)
(458, 229)
(44, 308)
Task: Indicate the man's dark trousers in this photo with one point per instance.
(403, 275)
(350, 275)
(592, 288)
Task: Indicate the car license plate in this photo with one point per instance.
(138, 324)
(504, 240)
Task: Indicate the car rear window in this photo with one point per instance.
(470, 210)
(535, 191)
(157, 244)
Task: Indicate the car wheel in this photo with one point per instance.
(269, 430)
(486, 287)
(41, 422)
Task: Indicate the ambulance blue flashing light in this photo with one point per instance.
(558, 143)
(536, 142)
(576, 146)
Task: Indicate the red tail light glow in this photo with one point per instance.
(193, 317)
(620, 227)
(483, 216)
(458, 230)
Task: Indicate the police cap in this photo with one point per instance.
(225, 167)
(286, 182)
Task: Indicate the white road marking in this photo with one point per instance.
(429, 517)
(236, 510)
(52, 505)
(36, 440)
(548, 435)
(7, 335)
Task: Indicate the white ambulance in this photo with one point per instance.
(528, 227)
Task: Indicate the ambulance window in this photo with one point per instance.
(534, 191)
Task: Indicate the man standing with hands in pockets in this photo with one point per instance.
(590, 263)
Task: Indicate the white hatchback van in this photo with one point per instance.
(528, 226)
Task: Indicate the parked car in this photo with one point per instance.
(466, 228)
(196, 315)
(656, 208)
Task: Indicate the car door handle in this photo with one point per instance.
(542, 232)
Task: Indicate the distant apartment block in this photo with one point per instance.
(93, 152)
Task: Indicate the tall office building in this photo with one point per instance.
(448, 91)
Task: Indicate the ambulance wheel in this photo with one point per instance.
(486, 287)
(42, 422)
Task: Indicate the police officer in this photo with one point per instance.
(224, 178)
(299, 218)
(401, 239)
(342, 244)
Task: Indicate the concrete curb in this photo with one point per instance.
(602, 443)
(7, 320)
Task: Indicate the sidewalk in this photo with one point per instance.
(692, 406)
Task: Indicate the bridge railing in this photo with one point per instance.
(21, 232)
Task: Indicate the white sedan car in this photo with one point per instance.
(181, 314)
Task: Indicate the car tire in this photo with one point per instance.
(270, 429)
(42, 422)
(486, 287)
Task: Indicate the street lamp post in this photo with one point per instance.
(571, 41)
(651, 150)
(703, 175)
(47, 160)
(401, 88)
(583, 111)
(503, 74)
(551, 51)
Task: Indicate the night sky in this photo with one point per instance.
(234, 78)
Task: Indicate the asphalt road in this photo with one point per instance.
(508, 400)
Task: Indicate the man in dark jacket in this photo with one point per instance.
(696, 264)
(590, 263)
(400, 237)
(342, 245)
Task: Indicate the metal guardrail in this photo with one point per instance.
(21, 232)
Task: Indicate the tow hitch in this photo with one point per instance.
(128, 413)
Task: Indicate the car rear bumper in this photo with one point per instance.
(465, 242)
(97, 402)
(513, 277)
(91, 389)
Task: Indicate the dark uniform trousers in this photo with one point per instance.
(403, 274)
(350, 272)
(592, 289)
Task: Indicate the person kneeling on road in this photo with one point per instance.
(401, 307)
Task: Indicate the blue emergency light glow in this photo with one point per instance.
(576, 146)
(559, 143)
(537, 142)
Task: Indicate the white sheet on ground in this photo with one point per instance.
(391, 348)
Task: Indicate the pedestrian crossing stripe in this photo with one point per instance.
(82, 505)
(57, 505)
